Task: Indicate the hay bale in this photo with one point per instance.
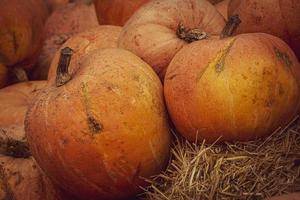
(243, 170)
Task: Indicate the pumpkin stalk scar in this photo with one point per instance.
(62, 72)
(190, 35)
(219, 61)
(283, 57)
(94, 126)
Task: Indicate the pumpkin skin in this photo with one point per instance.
(21, 31)
(222, 7)
(116, 12)
(292, 196)
(151, 31)
(96, 38)
(3, 75)
(55, 4)
(239, 88)
(99, 133)
(277, 17)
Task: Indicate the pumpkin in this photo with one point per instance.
(100, 37)
(291, 196)
(21, 31)
(3, 75)
(222, 7)
(55, 4)
(21, 179)
(97, 131)
(215, 1)
(158, 30)
(116, 12)
(73, 18)
(278, 17)
(237, 88)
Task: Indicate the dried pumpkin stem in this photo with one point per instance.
(231, 25)
(14, 148)
(190, 35)
(62, 72)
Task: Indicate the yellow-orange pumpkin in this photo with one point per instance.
(21, 31)
(238, 88)
(277, 17)
(96, 132)
(116, 12)
(159, 29)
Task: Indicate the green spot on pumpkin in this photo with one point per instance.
(283, 57)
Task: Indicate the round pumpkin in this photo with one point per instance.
(3, 75)
(222, 7)
(238, 88)
(21, 31)
(277, 17)
(97, 131)
(158, 30)
(116, 12)
(100, 37)
(291, 196)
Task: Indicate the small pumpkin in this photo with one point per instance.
(222, 7)
(116, 12)
(158, 30)
(237, 88)
(21, 31)
(97, 131)
(100, 37)
(278, 17)
(3, 75)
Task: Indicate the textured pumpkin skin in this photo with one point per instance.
(21, 30)
(15, 99)
(96, 135)
(116, 12)
(73, 18)
(104, 36)
(151, 31)
(3, 75)
(222, 7)
(239, 88)
(277, 17)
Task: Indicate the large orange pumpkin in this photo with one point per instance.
(277, 17)
(158, 30)
(3, 75)
(238, 88)
(97, 131)
(82, 43)
(21, 31)
(116, 12)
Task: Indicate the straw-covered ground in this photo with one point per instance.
(243, 170)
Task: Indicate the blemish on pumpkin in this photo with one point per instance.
(94, 125)
(171, 77)
(283, 57)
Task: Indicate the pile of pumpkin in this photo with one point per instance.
(98, 127)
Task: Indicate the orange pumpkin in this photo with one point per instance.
(82, 43)
(116, 12)
(277, 17)
(238, 88)
(292, 196)
(158, 30)
(21, 31)
(3, 75)
(222, 7)
(21, 179)
(97, 131)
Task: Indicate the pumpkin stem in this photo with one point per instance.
(14, 148)
(231, 25)
(19, 73)
(190, 35)
(62, 72)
